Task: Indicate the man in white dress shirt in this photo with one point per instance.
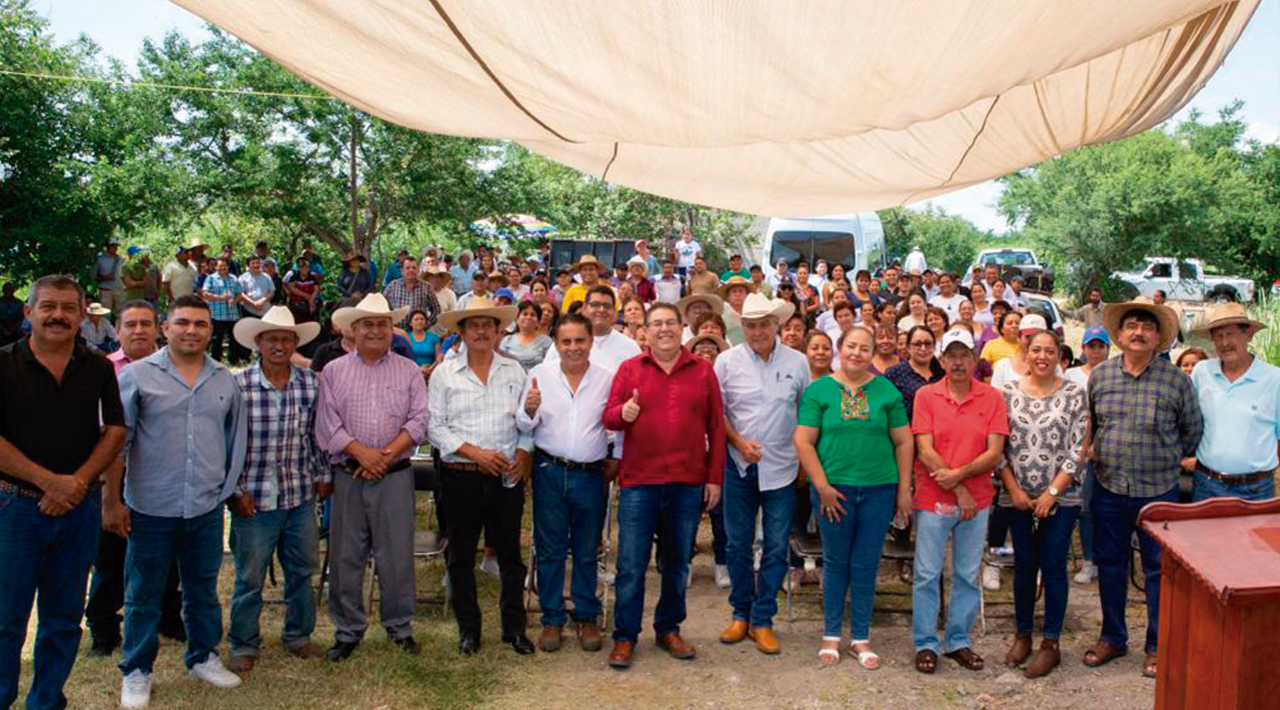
(562, 407)
(761, 382)
(609, 348)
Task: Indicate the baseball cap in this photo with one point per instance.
(961, 336)
(135, 250)
(505, 293)
(1095, 333)
(1031, 322)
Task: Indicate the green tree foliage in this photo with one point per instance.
(1198, 190)
(949, 242)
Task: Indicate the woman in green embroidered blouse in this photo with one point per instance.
(854, 440)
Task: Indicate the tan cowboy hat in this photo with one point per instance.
(247, 330)
(194, 243)
(720, 342)
(1168, 319)
(372, 306)
(712, 300)
(478, 307)
(1228, 314)
(97, 309)
(434, 270)
(734, 282)
(638, 261)
(588, 259)
(759, 305)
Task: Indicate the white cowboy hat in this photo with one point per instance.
(247, 330)
(1113, 313)
(97, 309)
(372, 306)
(759, 305)
(478, 307)
(638, 261)
(735, 282)
(1228, 314)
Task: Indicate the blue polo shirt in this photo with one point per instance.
(1241, 418)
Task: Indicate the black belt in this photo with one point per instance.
(593, 467)
(1237, 479)
(351, 465)
(16, 490)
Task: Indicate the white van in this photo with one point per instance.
(855, 240)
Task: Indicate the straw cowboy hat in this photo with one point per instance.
(712, 300)
(588, 259)
(97, 309)
(372, 306)
(638, 261)
(734, 282)
(1168, 319)
(194, 243)
(1228, 314)
(478, 307)
(434, 270)
(759, 305)
(247, 330)
(720, 342)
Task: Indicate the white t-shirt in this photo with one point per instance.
(950, 305)
(908, 322)
(1003, 373)
(687, 252)
(181, 279)
(1079, 376)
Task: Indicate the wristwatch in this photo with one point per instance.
(1054, 491)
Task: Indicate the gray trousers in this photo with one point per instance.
(378, 518)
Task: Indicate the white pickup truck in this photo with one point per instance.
(1185, 280)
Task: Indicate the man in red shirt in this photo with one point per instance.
(960, 426)
(667, 404)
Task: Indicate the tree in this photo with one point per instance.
(949, 242)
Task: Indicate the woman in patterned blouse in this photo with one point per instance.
(1048, 422)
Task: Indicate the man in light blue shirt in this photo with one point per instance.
(1240, 399)
(462, 273)
(185, 449)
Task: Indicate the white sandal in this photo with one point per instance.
(828, 657)
(865, 658)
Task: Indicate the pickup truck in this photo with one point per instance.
(1014, 262)
(1185, 280)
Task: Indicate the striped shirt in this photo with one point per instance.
(218, 286)
(1143, 426)
(370, 404)
(282, 462)
(466, 411)
(399, 295)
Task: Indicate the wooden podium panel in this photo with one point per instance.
(1219, 604)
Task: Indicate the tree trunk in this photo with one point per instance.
(355, 184)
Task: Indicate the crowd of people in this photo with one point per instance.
(897, 404)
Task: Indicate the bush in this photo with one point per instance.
(1266, 343)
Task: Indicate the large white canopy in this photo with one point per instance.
(775, 107)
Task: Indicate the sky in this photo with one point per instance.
(1250, 73)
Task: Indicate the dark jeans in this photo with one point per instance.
(1042, 550)
(1115, 519)
(291, 534)
(568, 513)
(222, 331)
(476, 501)
(851, 548)
(641, 510)
(997, 523)
(153, 542)
(754, 598)
(44, 561)
(106, 591)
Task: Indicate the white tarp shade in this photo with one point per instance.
(777, 107)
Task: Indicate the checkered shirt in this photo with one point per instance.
(398, 296)
(282, 462)
(219, 286)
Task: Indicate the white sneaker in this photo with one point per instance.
(489, 565)
(722, 576)
(135, 690)
(1087, 573)
(213, 673)
(991, 578)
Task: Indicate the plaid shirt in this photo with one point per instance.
(398, 296)
(282, 463)
(218, 286)
(1142, 426)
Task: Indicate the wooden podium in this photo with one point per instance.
(1219, 604)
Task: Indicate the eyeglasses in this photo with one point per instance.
(599, 304)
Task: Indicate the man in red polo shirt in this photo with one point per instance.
(960, 426)
(667, 404)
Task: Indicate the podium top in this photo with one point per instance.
(1231, 545)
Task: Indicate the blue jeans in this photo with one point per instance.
(294, 535)
(851, 548)
(967, 540)
(568, 514)
(1207, 488)
(641, 509)
(755, 599)
(1043, 550)
(43, 560)
(1115, 518)
(1086, 516)
(153, 542)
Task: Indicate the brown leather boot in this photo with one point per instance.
(1019, 651)
(1046, 659)
(551, 638)
(766, 641)
(672, 643)
(736, 632)
(620, 656)
(589, 636)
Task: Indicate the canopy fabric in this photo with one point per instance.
(768, 107)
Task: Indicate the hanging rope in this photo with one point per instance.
(158, 85)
